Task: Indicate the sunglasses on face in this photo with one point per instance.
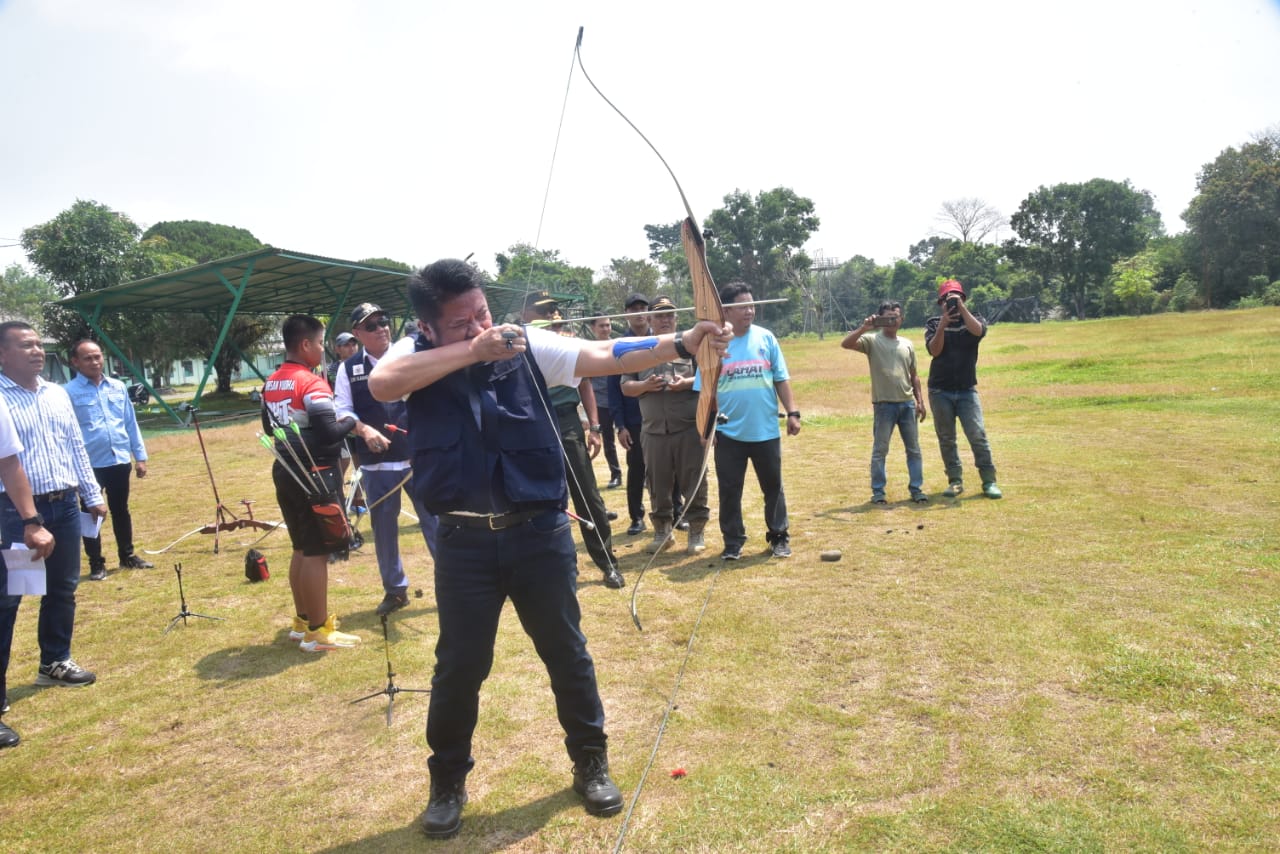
(375, 325)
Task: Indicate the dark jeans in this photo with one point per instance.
(731, 473)
(62, 575)
(114, 481)
(587, 501)
(965, 406)
(534, 565)
(635, 474)
(610, 443)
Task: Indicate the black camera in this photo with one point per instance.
(881, 321)
(953, 304)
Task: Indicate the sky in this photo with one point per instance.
(419, 130)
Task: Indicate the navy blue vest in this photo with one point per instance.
(482, 440)
(375, 413)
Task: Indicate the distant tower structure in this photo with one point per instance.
(819, 302)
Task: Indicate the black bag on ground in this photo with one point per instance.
(255, 566)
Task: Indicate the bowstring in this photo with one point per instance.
(528, 285)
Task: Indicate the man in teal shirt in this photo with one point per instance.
(114, 443)
(753, 382)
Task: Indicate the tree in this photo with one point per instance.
(1074, 233)
(1133, 283)
(83, 249)
(24, 294)
(525, 269)
(1235, 219)
(184, 243)
(969, 220)
(667, 250)
(626, 276)
(758, 241)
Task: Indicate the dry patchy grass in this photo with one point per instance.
(1089, 664)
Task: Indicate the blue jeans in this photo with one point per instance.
(965, 405)
(731, 474)
(903, 416)
(477, 570)
(385, 519)
(62, 576)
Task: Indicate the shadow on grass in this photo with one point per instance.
(495, 831)
(253, 662)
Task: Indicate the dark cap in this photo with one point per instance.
(662, 304)
(344, 338)
(363, 312)
(632, 299)
(542, 301)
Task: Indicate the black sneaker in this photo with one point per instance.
(731, 553)
(683, 526)
(637, 527)
(392, 602)
(97, 570)
(444, 811)
(65, 673)
(614, 482)
(591, 780)
(135, 562)
(613, 579)
(782, 548)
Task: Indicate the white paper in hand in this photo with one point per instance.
(90, 525)
(26, 576)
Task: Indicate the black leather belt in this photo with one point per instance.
(56, 495)
(495, 522)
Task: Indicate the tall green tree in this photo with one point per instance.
(184, 243)
(1074, 233)
(86, 248)
(667, 251)
(626, 276)
(524, 269)
(1235, 220)
(759, 240)
(24, 294)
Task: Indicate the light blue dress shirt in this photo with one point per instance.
(107, 421)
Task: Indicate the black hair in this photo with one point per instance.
(889, 305)
(437, 283)
(732, 291)
(13, 324)
(297, 328)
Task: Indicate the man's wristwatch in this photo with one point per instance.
(681, 350)
(795, 414)
(36, 520)
(595, 428)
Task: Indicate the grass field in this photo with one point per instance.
(1090, 664)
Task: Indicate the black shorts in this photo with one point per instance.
(295, 509)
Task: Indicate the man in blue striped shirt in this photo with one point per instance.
(38, 541)
(59, 471)
(110, 429)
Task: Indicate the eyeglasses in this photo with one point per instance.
(375, 325)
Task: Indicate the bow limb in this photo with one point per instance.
(706, 301)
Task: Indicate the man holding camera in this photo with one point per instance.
(895, 396)
(952, 340)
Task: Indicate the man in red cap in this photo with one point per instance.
(952, 340)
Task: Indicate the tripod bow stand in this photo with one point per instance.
(182, 598)
(392, 688)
